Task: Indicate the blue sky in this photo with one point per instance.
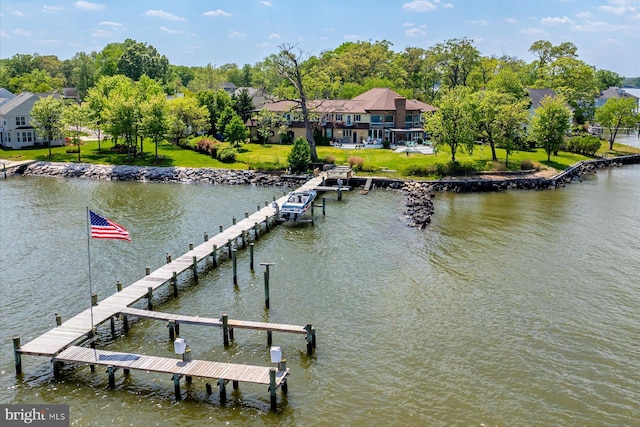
(195, 32)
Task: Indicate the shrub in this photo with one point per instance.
(227, 155)
(355, 162)
(583, 144)
(386, 143)
(420, 170)
(330, 159)
(300, 156)
(72, 150)
(497, 166)
(207, 146)
(528, 164)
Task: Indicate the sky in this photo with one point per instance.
(218, 32)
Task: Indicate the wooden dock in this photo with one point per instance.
(61, 343)
(223, 372)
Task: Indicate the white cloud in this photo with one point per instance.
(274, 36)
(51, 9)
(352, 37)
(419, 6)
(415, 32)
(448, 5)
(17, 13)
(482, 22)
(101, 34)
(110, 24)
(164, 15)
(265, 3)
(511, 20)
(531, 31)
(600, 26)
(235, 34)
(4, 35)
(556, 21)
(51, 42)
(169, 31)
(584, 15)
(216, 13)
(85, 5)
(22, 33)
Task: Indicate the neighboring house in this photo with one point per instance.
(228, 87)
(15, 122)
(619, 92)
(376, 115)
(70, 94)
(5, 96)
(536, 95)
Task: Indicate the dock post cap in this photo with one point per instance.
(267, 263)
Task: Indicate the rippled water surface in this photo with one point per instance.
(517, 308)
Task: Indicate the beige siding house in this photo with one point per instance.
(376, 115)
(15, 122)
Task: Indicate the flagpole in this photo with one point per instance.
(90, 285)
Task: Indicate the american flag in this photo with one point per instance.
(104, 228)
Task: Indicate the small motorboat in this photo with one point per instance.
(297, 204)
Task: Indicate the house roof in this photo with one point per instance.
(5, 96)
(617, 92)
(7, 107)
(536, 96)
(378, 99)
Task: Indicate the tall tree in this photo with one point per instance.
(140, 59)
(618, 113)
(75, 118)
(456, 58)
(83, 73)
(498, 118)
(155, 120)
(606, 79)
(243, 104)
(186, 117)
(452, 125)
(46, 118)
(288, 64)
(550, 123)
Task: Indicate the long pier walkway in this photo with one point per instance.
(60, 343)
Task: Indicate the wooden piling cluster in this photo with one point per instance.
(60, 342)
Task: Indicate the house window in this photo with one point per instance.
(18, 136)
(288, 117)
(29, 136)
(347, 133)
(356, 117)
(376, 119)
(338, 117)
(329, 117)
(388, 119)
(24, 136)
(376, 134)
(20, 121)
(349, 120)
(408, 122)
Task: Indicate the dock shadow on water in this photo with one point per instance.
(514, 308)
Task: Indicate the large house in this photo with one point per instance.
(16, 130)
(619, 92)
(376, 115)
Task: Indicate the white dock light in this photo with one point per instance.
(179, 346)
(276, 354)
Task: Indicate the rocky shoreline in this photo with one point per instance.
(179, 175)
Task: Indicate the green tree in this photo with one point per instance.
(499, 117)
(155, 120)
(236, 132)
(453, 124)
(75, 118)
(140, 59)
(455, 58)
(215, 101)
(224, 118)
(83, 73)
(617, 113)
(300, 156)
(606, 79)
(422, 76)
(243, 104)
(550, 122)
(46, 118)
(186, 117)
(266, 122)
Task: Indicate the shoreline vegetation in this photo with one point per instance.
(179, 165)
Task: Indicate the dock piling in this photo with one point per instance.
(194, 266)
(16, 354)
(214, 255)
(58, 319)
(272, 388)
(168, 257)
(119, 286)
(225, 329)
(223, 391)
(174, 283)
(206, 236)
(150, 298)
(266, 282)
(94, 299)
(251, 245)
(111, 371)
(234, 264)
(176, 386)
(147, 271)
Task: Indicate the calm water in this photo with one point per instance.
(519, 308)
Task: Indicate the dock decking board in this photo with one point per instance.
(193, 368)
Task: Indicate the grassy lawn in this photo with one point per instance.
(375, 161)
